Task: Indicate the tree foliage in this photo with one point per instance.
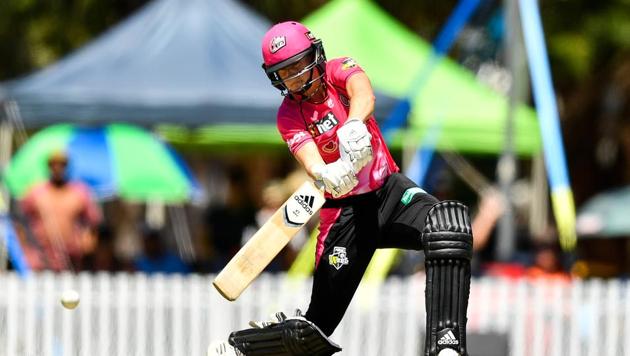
(582, 35)
(34, 33)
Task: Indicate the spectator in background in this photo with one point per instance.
(491, 207)
(61, 217)
(104, 258)
(547, 262)
(155, 257)
(227, 223)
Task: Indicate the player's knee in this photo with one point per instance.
(447, 232)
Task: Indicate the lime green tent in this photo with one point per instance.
(472, 116)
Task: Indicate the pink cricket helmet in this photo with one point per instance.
(286, 43)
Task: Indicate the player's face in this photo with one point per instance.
(295, 76)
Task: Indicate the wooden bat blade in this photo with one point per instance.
(268, 241)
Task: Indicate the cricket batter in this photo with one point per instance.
(326, 120)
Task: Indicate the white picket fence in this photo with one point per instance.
(135, 314)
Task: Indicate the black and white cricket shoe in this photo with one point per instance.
(222, 348)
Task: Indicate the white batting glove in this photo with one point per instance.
(354, 143)
(338, 177)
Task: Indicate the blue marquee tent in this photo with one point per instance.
(177, 61)
(189, 62)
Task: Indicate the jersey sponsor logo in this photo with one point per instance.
(330, 146)
(298, 210)
(447, 338)
(327, 123)
(344, 100)
(298, 136)
(276, 43)
(338, 258)
(409, 193)
(348, 63)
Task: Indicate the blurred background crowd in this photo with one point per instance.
(228, 176)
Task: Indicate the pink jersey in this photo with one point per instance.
(302, 122)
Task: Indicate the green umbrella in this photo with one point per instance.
(606, 215)
(116, 159)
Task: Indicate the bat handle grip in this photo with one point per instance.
(320, 185)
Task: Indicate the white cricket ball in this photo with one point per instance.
(70, 299)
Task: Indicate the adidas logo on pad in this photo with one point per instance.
(448, 339)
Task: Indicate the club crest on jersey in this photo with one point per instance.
(338, 258)
(327, 123)
(277, 43)
(348, 63)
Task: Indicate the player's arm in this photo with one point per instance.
(309, 157)
(338, 177)
(361, 96)
(355, 144)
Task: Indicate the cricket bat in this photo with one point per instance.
(269, 240)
